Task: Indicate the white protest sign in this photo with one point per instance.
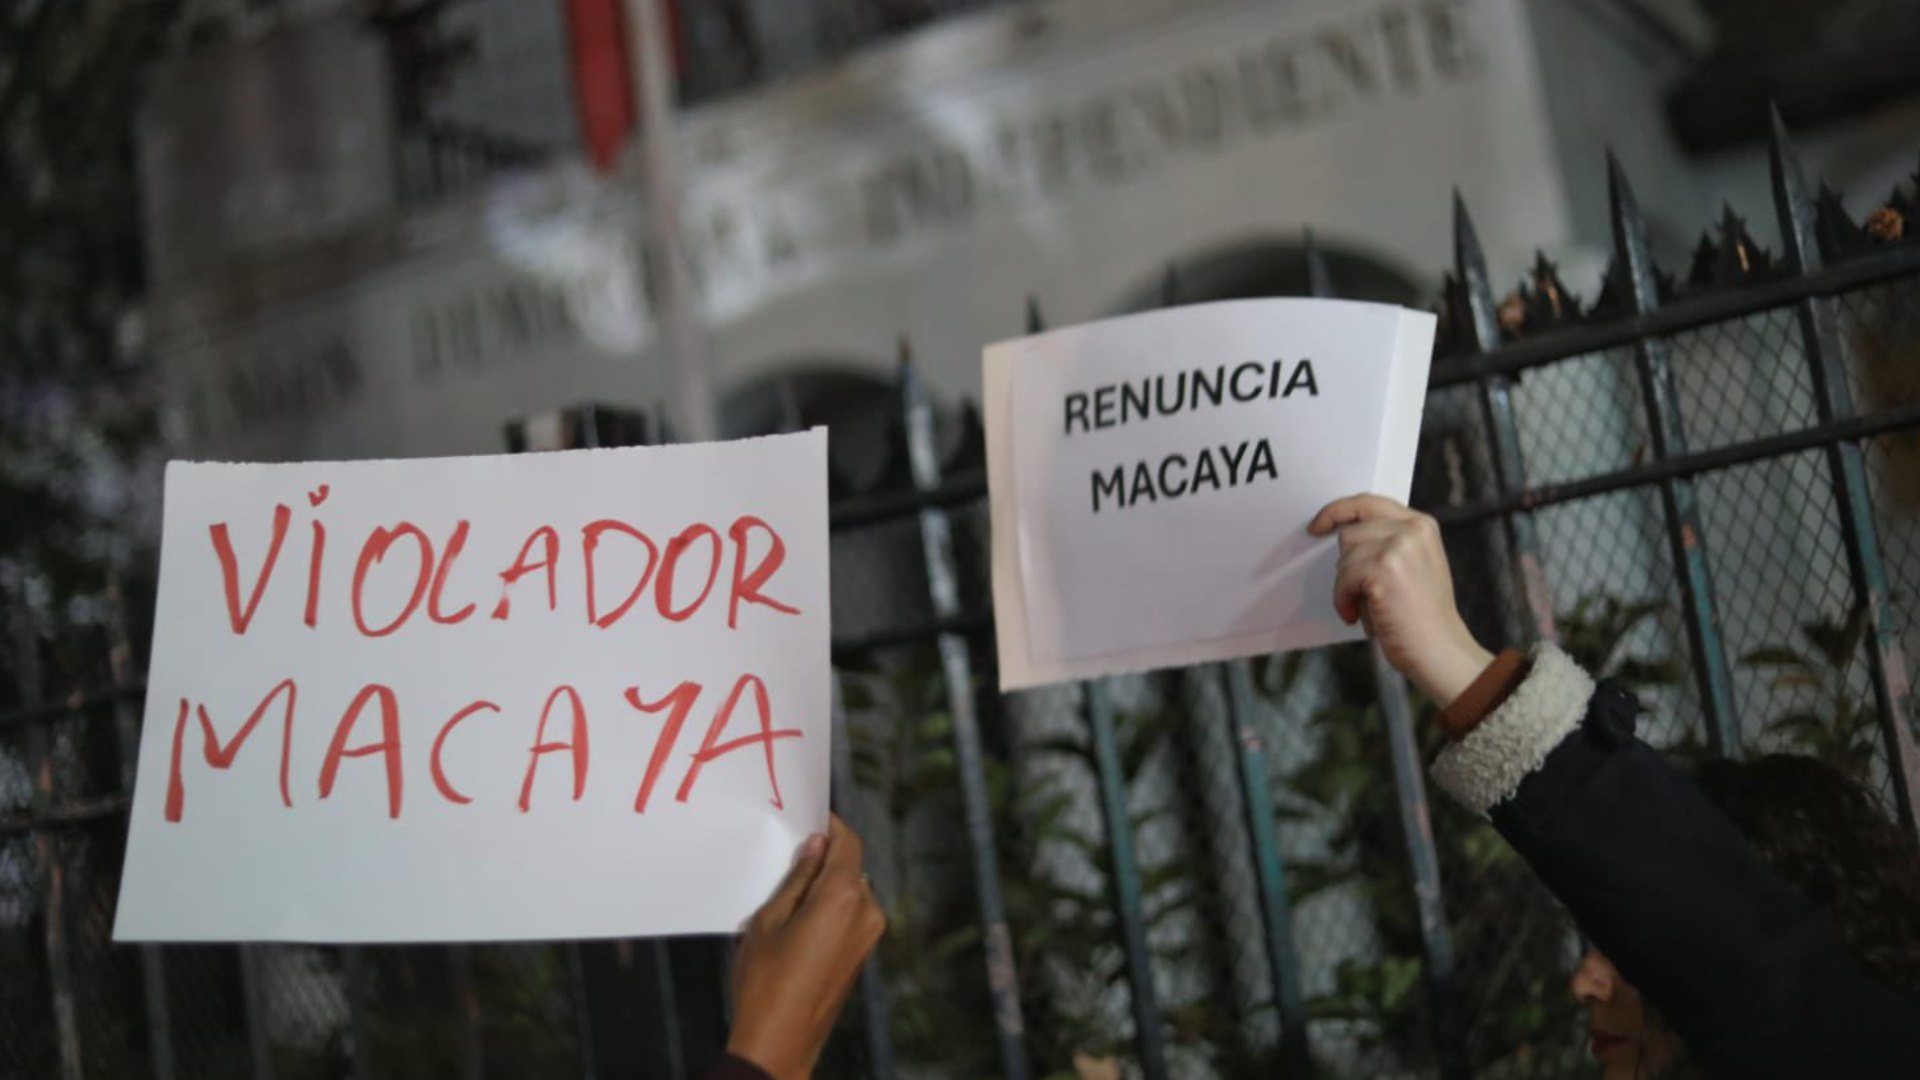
(1152, 477)
(567, 695)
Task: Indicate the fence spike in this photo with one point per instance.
(1900, 203)
(1269, 868)
(1705, 267)
(1450, 337)
(1631, 258)
(1170, 286)
(1903, 202)
(1637, 285)
(896, 473)
(970, 447)
(874, 1014)
(1549, 302)
(1799, 219)
(1479, 318)
(1127, 885)
(1740, 259)
(1319, 278)
(1840, 236)
(956, 663)
(1802, 224)
(46, 797)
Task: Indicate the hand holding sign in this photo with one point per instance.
(483, 698)
(800, 956)
(1394, 578)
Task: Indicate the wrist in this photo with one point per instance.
(1451, 667)
(778, 1062)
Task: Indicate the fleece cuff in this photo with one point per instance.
(1485, 768)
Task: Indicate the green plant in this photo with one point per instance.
(903, 759)
(1081, 942)
(1839, 726)
(1065, 933)
(1512, 940)
(1594, 633)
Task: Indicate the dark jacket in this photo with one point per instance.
(1748, 973)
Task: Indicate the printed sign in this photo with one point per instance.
(1152, 478)
(566, 695)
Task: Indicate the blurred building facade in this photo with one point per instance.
(355, 259)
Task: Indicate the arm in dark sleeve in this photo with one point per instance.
(1746, 971)
(730, 1067)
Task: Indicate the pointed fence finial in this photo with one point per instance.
(1035, 321)
(1319, 278)
(1479, 318)
(1898, 218)
(1740, 258)
(970, 449)
(1632, 264)
(1549, 304)
(1799, 217)
(1840, 236)
(1705, 267)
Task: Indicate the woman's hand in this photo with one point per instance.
(1394, 580)
(800, 956)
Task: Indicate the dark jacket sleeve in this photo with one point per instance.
(1745, 970)
(733, 1068)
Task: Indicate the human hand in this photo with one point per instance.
(800, 955)
(1394, 579)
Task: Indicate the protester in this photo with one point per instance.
(798, 959)
(1753, 971)
(1629, 1039)
(1822, 832)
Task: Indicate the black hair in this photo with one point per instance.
(1827, 834)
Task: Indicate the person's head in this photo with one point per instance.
(1823, 833)
(1626, 1036)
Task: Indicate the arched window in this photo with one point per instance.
(857, 407)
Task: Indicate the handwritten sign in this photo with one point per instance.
(1152, 477)
(577, 694)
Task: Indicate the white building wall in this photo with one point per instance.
(923, 190)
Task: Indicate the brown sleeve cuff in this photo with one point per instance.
(1487, 693)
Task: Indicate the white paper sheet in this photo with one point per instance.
(1117, 548)
(466, 832)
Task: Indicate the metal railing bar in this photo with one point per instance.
(1690, 464)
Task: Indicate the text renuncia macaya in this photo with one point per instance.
(1210, 468)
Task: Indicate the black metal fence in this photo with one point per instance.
(1704, 486)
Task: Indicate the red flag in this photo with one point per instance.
(603, 89)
